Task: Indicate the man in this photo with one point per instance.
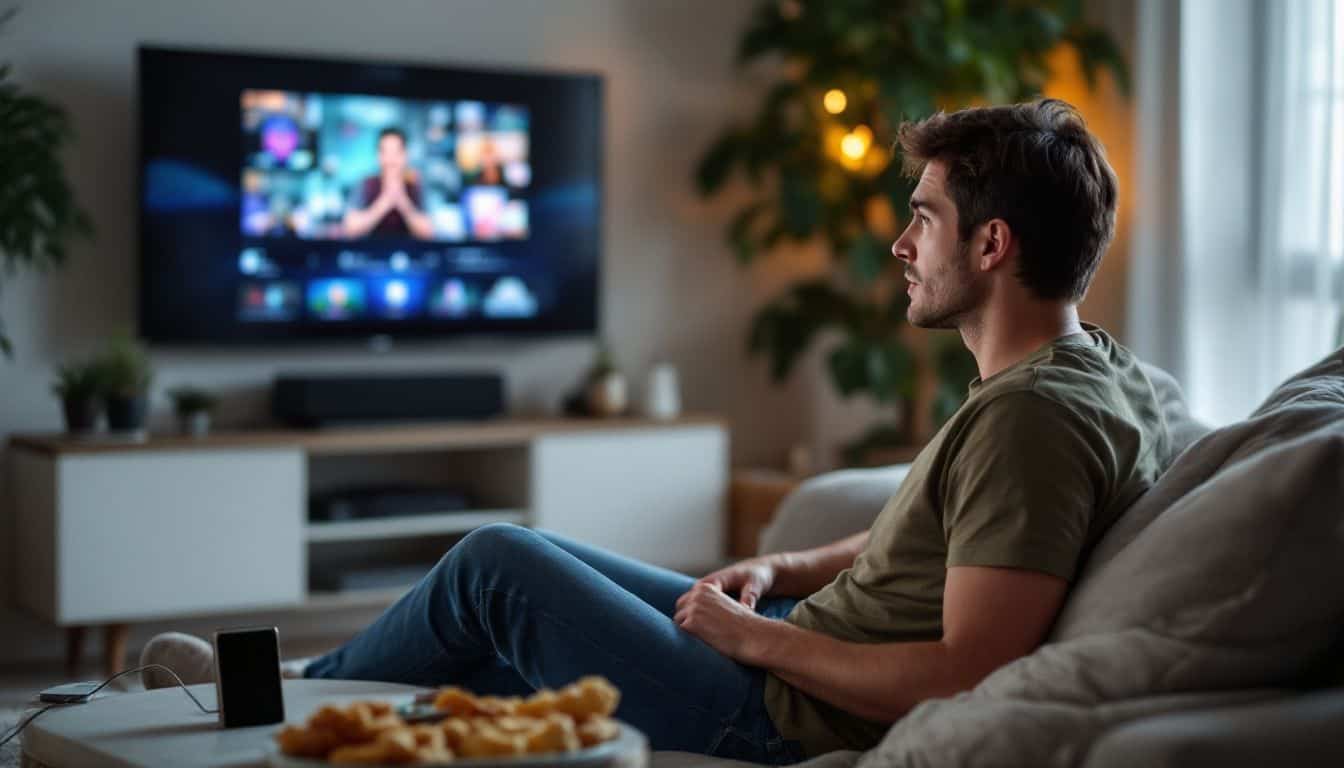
(791, 655)
(391, 200)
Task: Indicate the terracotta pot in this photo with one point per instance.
(607, 395)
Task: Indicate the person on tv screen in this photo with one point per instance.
(390, 201)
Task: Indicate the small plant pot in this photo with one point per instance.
(607, 395)
(81, 414)
(194, 423)
(127, 414)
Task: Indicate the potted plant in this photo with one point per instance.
(606, 392)
(126, 375)
(821, 165)
(41, 218)
(79, 386)
(193, 407)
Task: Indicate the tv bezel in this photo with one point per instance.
(394, 334)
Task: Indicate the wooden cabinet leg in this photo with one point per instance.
(114, 648)
(74, 650)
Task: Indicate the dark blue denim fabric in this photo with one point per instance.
(509, 610)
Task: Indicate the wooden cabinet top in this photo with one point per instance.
(379, 438)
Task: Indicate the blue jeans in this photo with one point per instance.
(509, 610)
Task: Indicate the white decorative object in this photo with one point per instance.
(662, 399)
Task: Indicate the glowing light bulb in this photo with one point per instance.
(865, 135)
(835, 101)
(853, 146)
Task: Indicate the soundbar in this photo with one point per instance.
(329, 400)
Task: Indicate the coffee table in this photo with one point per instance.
(163, 727)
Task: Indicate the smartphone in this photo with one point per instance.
(247, 676)
(70, 693)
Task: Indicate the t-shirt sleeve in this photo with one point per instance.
(1022, 488)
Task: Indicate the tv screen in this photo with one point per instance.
(287, 198)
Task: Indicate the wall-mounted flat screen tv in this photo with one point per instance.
(300, 198)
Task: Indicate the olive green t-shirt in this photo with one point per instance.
(1029, 472)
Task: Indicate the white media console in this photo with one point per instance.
(114, 532)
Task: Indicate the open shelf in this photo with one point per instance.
(356, 598)
(417, 525)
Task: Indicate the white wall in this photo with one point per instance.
(670, 290)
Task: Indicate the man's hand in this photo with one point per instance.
(725, 624)
(394, 190)
(750, 579)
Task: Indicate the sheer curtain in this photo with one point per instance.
(1237, 277)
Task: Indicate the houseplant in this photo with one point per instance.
(126, 375)
(193, 407)
(820, 161)
(79, 386)
(39, 216)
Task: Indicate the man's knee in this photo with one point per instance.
(488, 555)
(493, 543)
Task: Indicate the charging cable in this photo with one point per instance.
(19, 728)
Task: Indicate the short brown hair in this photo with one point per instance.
(1035, 166)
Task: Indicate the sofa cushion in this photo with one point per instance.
(842, 759)
(981, 732)
(1307, 401)
(1183, 429)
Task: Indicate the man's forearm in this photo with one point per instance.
(799, 574)
(879, 682)
(357, 222)
(419, 224)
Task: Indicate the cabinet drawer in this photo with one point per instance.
(156, 534)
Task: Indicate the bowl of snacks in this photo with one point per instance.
(570, 727)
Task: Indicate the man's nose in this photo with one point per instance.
(901, 251)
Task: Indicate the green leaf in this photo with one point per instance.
(883, 368)
(800, 204)
(848, 364)
(739, 232)
(1096, 51)
(718, 162)
(867, 258)
(891, 371)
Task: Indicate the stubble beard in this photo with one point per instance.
(960, 295)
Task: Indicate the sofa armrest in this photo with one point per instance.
(1299, 730)
(830, 507)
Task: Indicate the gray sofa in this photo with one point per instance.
(1204, 630)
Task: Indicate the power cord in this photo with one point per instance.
(19, 728)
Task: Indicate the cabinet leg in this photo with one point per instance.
(114, 648)
(74, 650)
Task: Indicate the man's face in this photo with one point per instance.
(943, 287)
(391, 154)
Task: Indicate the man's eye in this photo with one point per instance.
(924, 219)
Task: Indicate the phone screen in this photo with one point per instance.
(248, 662)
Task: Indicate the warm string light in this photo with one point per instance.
(855, 144)
(835, 101)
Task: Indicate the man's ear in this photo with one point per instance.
(996, 242)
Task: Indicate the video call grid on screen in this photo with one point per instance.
(312, 158)
(304, 198)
